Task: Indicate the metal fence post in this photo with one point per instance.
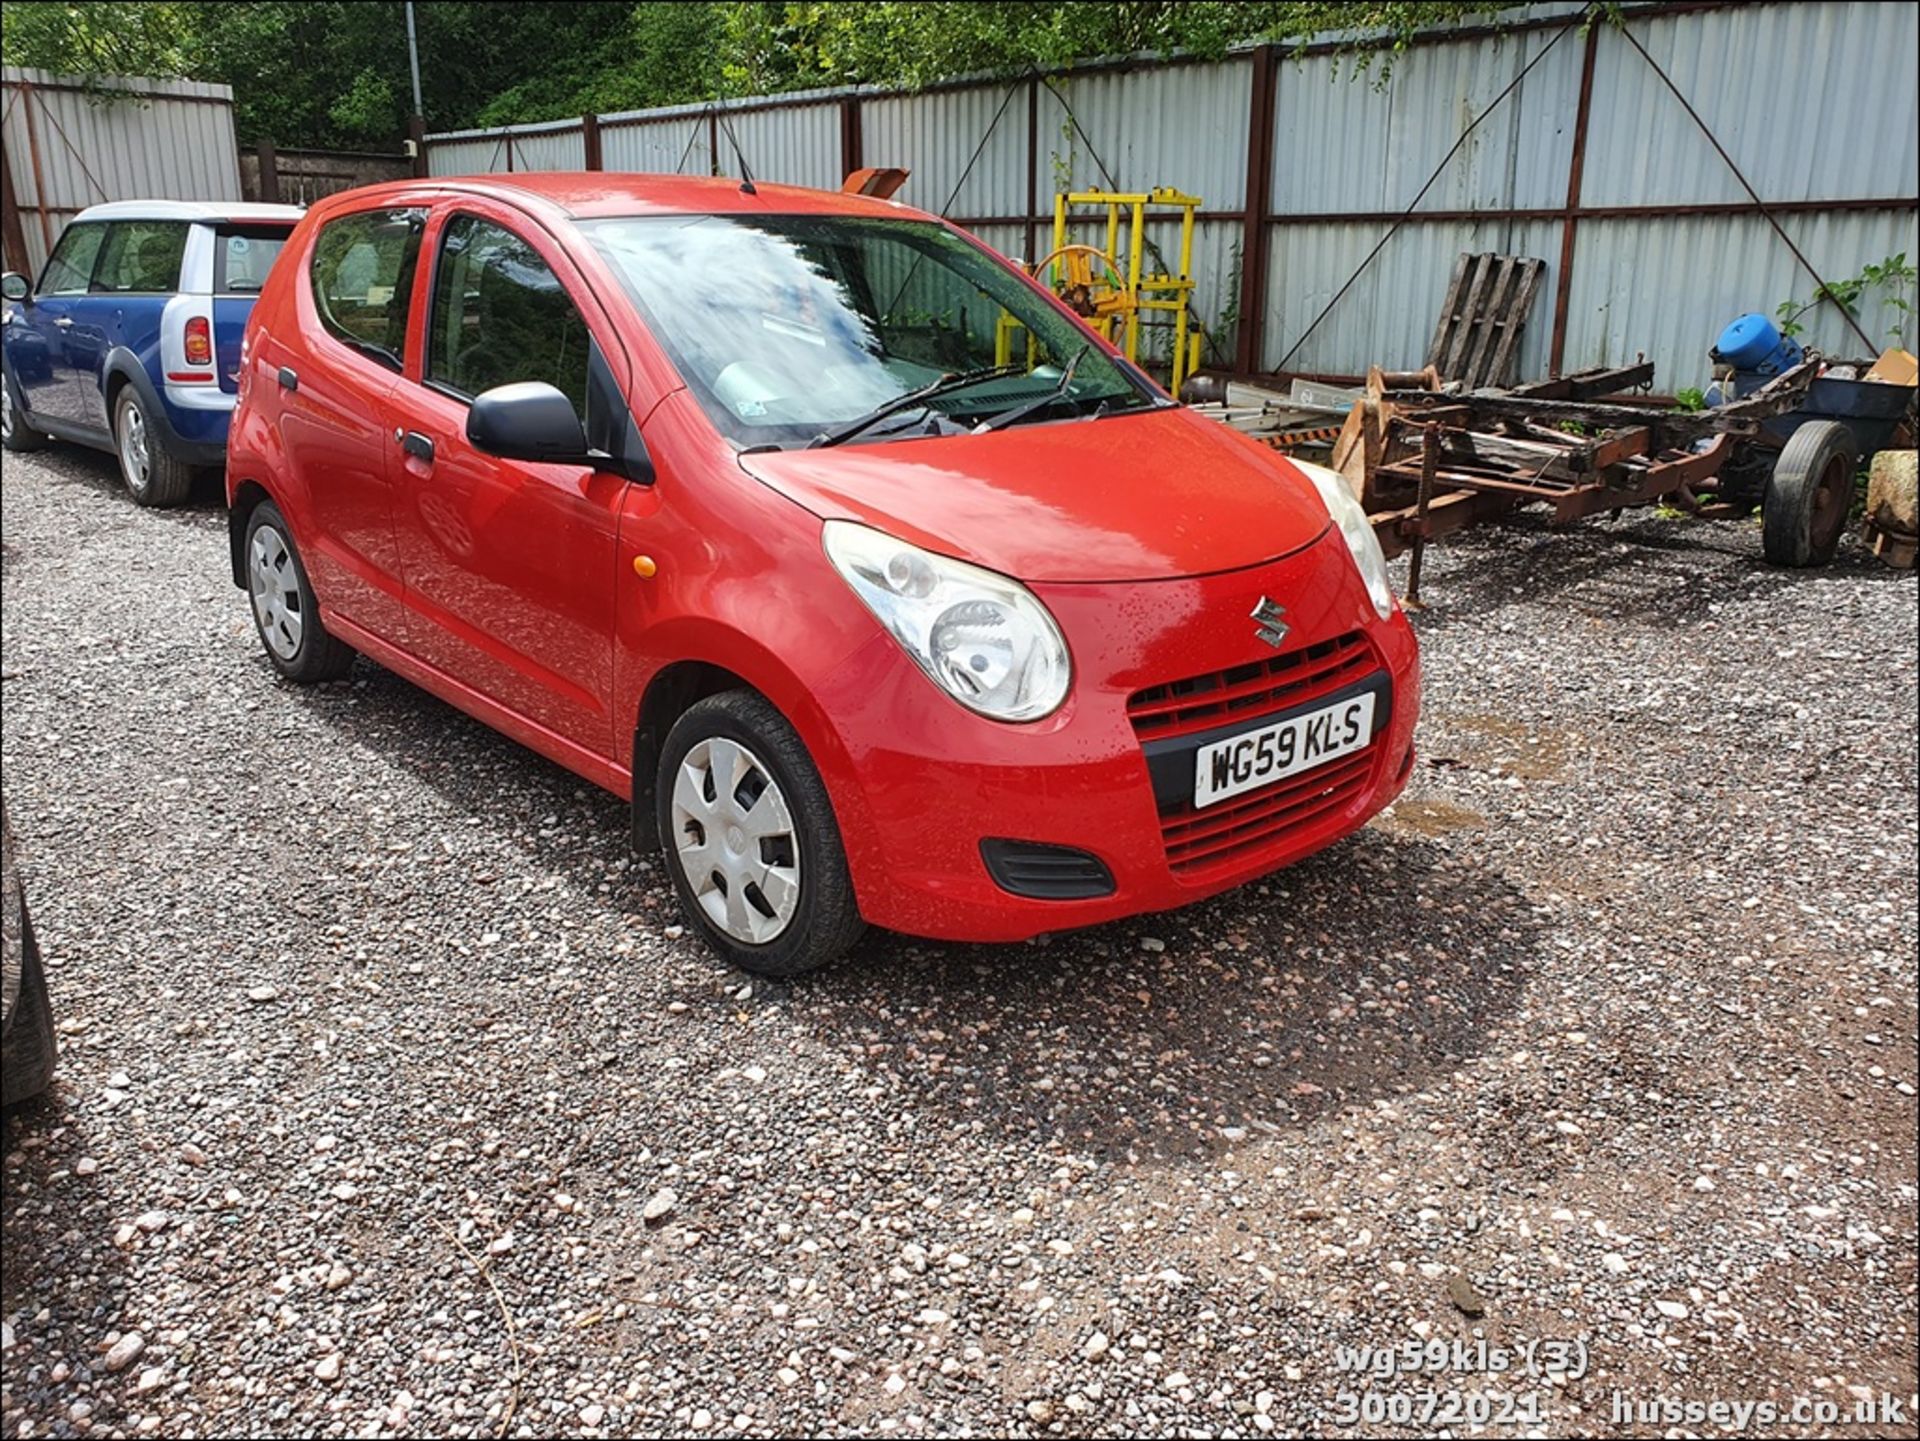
(851, 146)
(1563, 282)
(1254, 230)
(417, 133)
(590, 142)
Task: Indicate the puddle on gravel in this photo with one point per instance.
(1492, 743)
(1431, 818)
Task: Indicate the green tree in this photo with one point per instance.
(334, 72)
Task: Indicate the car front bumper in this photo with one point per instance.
(1159, 669)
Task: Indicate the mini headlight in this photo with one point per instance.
(982, 638)
(1352, 520)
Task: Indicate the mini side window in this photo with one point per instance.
(141, 257)
(500, 315)
(363, 268)
(70, 268)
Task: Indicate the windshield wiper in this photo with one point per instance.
(1039, 402)
(907, 401)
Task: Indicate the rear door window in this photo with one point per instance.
(70, 268)
(242, 256)
(363, 268)
(141, 257)
(500, 314)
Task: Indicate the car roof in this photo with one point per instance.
(588, 194)
(208, 211)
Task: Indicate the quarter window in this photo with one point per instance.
(70, 268)
(363, 280)
(500, 315)
(141, 257)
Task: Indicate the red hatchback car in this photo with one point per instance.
(717, 496)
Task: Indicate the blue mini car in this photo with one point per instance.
(130, 341)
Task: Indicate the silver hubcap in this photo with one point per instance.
(6, 411)
(733, 835)
(133, 446)
(276, 592)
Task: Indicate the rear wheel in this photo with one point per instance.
(153, 477)
(15, 434)
(284, 610)
(1809, 495)
(750, 838)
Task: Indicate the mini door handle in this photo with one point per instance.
(65, 322)
(418, 446)
(289, 378)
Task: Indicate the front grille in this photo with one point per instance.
(1198, 840)
(1220, 697)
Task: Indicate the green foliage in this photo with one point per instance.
(1690, 398)
(1893, 277)
(334, 72)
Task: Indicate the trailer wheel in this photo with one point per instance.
(1808, 496)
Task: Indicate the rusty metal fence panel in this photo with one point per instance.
(68, 147)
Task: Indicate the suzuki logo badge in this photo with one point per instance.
(1268, 623)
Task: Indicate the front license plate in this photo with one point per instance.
(1259, 757)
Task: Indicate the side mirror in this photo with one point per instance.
(14, 285)
(528, 420)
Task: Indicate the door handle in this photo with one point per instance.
(65, 322)
(418, 446)
(289, 378)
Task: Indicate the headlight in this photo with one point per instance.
(1352, 520)
(980, 637)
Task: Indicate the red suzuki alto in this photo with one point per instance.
(717, 496)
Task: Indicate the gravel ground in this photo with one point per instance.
(394, 1100)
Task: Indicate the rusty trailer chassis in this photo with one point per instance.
(1447, 461)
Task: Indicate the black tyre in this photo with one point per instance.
(15, 433)
(284, 611)
(153, 477)
(27, 1046)
(1809, 495)
(750, 838)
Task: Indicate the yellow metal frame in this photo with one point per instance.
(1162, 292)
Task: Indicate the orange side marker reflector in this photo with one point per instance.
(644, 567)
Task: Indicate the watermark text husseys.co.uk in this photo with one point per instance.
(1740, 1416)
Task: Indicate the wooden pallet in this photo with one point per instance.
(1478, 337)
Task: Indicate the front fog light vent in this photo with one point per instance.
(1046, 873)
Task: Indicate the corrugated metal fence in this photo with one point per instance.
(1590, 163)
(67, 147)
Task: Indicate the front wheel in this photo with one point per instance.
(153, 477)
(750, 838)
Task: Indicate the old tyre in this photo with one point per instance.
(750, 838)
(26, 1038)
(284, 610)
(15, 434)
(1809, 495)
(153, 477)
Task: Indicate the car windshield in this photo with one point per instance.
(788, 329)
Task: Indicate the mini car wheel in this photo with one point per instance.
(284, 610)
(15, 434)
(750, 838)
(153, 477)
(1809, 495)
